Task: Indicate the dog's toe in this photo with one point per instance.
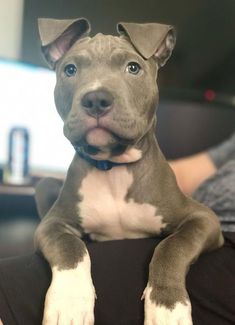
(77, 313)
(70, 302)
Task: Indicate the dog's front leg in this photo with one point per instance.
(166, 298)
(71, 296)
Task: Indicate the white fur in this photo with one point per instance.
(105, 212)
(161, 315)
(71, 296)
(128, 156)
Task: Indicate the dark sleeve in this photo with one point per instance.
(120, 273)
(223, 152)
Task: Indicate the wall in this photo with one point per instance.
(11, 19)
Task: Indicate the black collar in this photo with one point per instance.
(99, 164)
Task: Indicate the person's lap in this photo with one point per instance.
(120, 271)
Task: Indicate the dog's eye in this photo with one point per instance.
(133, 67)
(70, 70)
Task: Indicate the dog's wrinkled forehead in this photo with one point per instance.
(102, 45)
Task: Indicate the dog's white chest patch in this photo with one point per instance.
(105, 211)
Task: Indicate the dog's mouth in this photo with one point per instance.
(104, 132)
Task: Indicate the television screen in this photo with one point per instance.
(26, 100)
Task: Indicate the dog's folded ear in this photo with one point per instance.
(57, 36)
(150, 40)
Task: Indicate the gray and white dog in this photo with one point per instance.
(118, 185)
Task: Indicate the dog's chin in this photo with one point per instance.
(102, 144)
(100, 138)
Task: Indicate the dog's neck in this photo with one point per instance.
(102, 162)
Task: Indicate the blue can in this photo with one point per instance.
(18, 156)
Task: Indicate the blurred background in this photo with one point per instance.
(197, 92)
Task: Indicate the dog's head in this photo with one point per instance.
(106, 91)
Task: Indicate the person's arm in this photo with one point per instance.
(192, 171)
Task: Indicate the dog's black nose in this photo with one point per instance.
(97, 103)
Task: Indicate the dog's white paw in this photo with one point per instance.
(161, 315)
(70, 299)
